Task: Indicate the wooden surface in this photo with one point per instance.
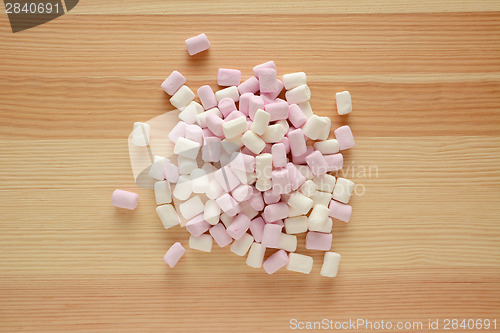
(424, 240)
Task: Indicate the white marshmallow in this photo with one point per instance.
(296, 225)
(306, 109)
(199, 181)
(201, 118)
(184, 188)
(325, 183)
(273, 133)
(318, 215)
(235, 127)
(327, 147)
(141, 134)
(344, 103)
(209, 168)
(241, 246)
(308, 188)
(284, 124)
(260, 121)
(263, 184)
(215, 190)
(201, 243)
(300, 202)
(322, 198)
(294, 80)
(314, 127)
(212, 212)
(293, 212)
(288, 243)
(163, 193)
(156, 170)
(168, 216)
(325, 132)
(187, 148)
(264, 166)
(226, 220)
(231, 145)
(330, 264)
(299, 263)
(241, 175)
(189, 113)
(186, 165)
(256, 255)
(191, 207)
(325, 227)
(343, 190)
(298, 94)
(231, 92)
(253, 142)
(182, 97)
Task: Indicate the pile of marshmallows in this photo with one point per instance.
(260, 183)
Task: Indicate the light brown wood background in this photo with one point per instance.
(424, 240)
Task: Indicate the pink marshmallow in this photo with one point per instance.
(228, 204)
(317, 163)
(335, 161)
(174, 254)
(207, 97)
(197, 44)
(296, 116)
(275, 261)
(267, 100)
(276, 212)
(274, 94)
(245, 103)
(194, 133)
(278, 222)
(197, 225)
(256, 102)
(269, 64)
(340, 211)
(270, 197)
(240, 225)
(277, 110)
(251, 85)
(226, 106)
(125, 199)
(242, 162)
(257, 228)
(220, 235)
(281, 181)
(214, 124)
(268, 81)
(171, 172)
(278, 151)
(207, 133)
(344, 137)
(256, 201)
(179, 131)
(211, 149)
(173, 82)
(226, 178)
(298, 145)
(271, 235)
(242, 193)
(233, 115)
(286, 142)
(295, 176)
(301, 159)
(318, 241)
(228, 77)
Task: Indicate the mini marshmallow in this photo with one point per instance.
(299, 263)
(294, 80)
(344, 104)
(239, 227)
(194, 133)
(182, 97)
(295, 177)
(318, 241)
(296, 116)
(325, 132)
(300, 202)
(212, 212)
(242, 162)
(228, 204)
(322, 198)
(253, 142)
(257, 228)
(187, 148)
(273, 94)
(264, 165)
(256, 200)
(211, 149)
(273, 133)
(255, 103)
(242, 192)
(201, 243)
(275, 261)
(184, 188)
(256, 255)
(343, 190)
(214, 124)
(141, 134)
(296, 225)
(278, 153)
(277, 110)
(244, 103)
(207, 97)
(325, 227)
(197, 44)
(327, 147)
(226, 220)
(335, 162)
(288, 242)
(269, 64)
(191, 207)
(186, 165)
(232, 145)
(318, 216)
(251, 85)
(124, 199)
(163, 193)
(301, 159)
(281, 181)
(263, 184)
(275, 212)
(344, 137)
(167, 215)
(297, 142)
(190, 112)
(228, 77)
(325, 183)
(231, 92)
(226, 178)
(330, 264)
(235, 127)
(293, 212)
(220, 235)
(314, 127)
(226, 106)
(317, 163)
(197, 225)
(156, 170)
(267, 80)
(298, 94)
(173, 82)
(174, 254)
(248, 210)
(340, 211)
(306, 109)
(309, 188)
(171, 172)
(241, 246)
(199, 181)
(178, 131)
(285, 125)
(271, 235)
(260, 121)
(214, 189)
(271, 197)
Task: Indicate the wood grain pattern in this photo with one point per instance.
(424, 240)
